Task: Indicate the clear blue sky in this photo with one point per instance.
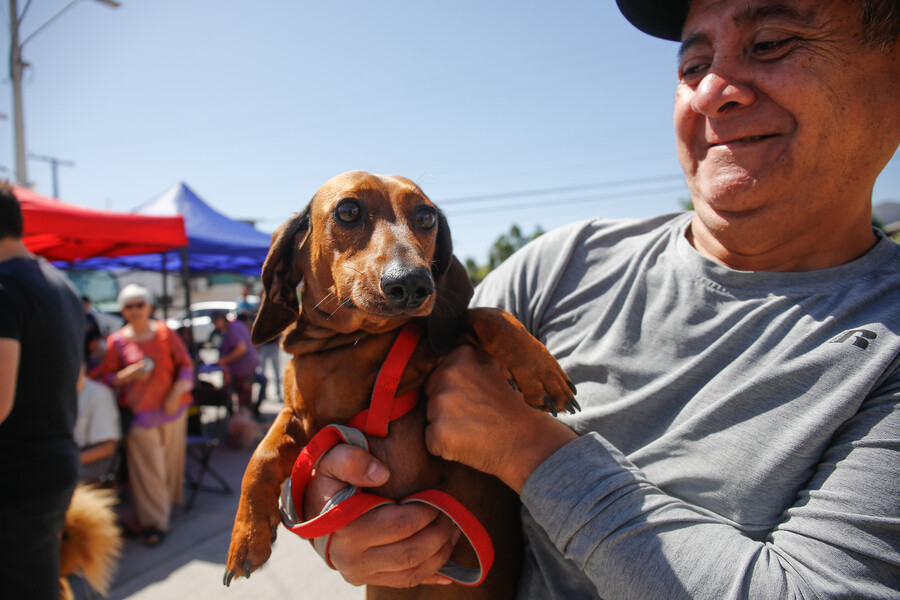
(256, 104)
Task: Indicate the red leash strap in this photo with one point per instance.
(349, 504)
(402, 405)
(379, 412)
(341, 513)
(470, 527)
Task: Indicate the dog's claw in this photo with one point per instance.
(572, 387)
(572, 406)
(247, 566)
(274, 533)
(548, 402)
(229, 575)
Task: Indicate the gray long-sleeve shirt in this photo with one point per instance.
(741, 431)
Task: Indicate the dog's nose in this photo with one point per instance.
(406, 287)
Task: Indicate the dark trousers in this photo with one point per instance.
(243, 389)
(29, 545)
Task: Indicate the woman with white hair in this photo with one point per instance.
(153, 374)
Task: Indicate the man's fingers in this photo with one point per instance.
(386, 525)
(404, 562)
(352, 465)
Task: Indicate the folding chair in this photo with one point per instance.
(207, 426)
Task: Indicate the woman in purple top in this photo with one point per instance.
(239, 358)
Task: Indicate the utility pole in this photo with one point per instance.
(15, 72)
(17, 66)
(55, 163)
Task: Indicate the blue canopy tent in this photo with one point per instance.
(215, 242)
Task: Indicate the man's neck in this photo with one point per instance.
(806, 250)
(13, 248)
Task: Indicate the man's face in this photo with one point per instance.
(783, 118)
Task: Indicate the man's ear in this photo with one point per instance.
(454, 290)
(281, 274)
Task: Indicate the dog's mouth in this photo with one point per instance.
(373, 306)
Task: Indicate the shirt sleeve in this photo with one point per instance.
(103, 417)
(840, 539)
(9, 324)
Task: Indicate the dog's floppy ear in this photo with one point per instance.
(454, 290)
(443, 251)
(281, 274)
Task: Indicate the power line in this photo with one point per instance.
(55, 163)
(566, 202)
(556, 190)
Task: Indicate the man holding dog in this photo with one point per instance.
(738, 366)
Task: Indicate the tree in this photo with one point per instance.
(503, 248)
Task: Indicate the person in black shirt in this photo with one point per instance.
(41, 349)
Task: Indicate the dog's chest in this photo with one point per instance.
(337, 384)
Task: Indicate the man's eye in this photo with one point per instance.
(347, 211)
(773, 47)
(692, 72)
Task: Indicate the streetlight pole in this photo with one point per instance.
(15, 72)
(16, 66)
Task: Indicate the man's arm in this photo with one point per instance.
(841, 538)
(236, 353)
(10, 350)
(98, 451)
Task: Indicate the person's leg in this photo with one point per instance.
(29, 546)
(146, 474)
(243, 388)
(174, 439)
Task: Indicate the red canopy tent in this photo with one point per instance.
(65, 232)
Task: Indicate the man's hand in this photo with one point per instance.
(393, 546)
(477, 418)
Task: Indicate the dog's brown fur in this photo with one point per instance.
(91, 541)
(325, 282)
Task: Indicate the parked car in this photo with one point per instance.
(107, 322)
(202, 321)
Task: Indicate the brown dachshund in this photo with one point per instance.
(367, 255)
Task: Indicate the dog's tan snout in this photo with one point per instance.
(405, 286)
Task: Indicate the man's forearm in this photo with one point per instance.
(634, 540)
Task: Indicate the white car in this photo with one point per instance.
(202, 321)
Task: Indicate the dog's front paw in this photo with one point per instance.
(251, 541)
(545, 385)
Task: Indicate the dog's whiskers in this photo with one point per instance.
(327, 297)
(339, 306)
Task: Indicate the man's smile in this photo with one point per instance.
(737, 141)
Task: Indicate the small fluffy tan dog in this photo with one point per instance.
(91, 541)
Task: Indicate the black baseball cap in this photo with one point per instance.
(660, 18)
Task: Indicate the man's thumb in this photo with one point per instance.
(353, 465)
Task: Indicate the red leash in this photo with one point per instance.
(350, 503)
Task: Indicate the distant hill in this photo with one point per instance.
(888, 213)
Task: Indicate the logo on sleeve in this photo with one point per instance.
(858, 337)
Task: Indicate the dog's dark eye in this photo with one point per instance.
(347, 211)
(425, 217)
